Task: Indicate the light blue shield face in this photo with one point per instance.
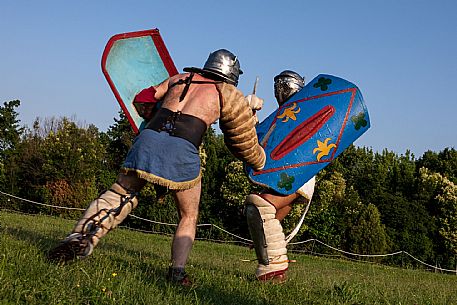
(134, 64)
(309, 131)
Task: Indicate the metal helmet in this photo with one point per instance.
(221, 64)
(287, 83)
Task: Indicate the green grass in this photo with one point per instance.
(130, 268)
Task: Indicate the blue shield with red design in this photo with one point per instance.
(132, 62)
(309, 131)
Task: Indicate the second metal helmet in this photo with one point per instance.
(287, 83)
(221, 64)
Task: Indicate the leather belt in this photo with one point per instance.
(178, 124)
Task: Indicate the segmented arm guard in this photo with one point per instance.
(237, 123)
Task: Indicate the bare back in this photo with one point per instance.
(201, 100)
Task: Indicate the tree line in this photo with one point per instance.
(365, 202)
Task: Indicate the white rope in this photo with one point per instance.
(345, 252)
(156, 222)
(431, 266)
(217, 227)
(199, 225)
(42, 204)
(374, 255)
(298, 226)
(131, 215)
(291, 235)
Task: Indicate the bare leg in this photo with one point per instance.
(131, 182)
(283, 204)
(101, 216)
(187, 202)
(282, 212)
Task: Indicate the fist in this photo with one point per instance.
(254, 102)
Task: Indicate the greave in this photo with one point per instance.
(104, 214)
(274, 237)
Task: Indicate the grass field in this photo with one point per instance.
(130, 267)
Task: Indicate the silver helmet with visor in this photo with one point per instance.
(287, 83)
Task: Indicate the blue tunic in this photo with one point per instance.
(162, 159)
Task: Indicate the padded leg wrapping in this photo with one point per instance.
(274, 236)
(104, 214)
(255, 224)
(277, 251)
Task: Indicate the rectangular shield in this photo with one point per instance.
(309, 131)
(134, 61)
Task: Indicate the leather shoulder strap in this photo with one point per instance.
(187, 81)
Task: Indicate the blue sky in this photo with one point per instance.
(401, 54)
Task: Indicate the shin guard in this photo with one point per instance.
(268, 237)
(104, 214)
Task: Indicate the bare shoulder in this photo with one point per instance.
(177, 77)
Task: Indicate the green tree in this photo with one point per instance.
(10, 135)
(408, 225)
(368, 235)
(118, 140)
(216, 158)
(442, 201)
(443, 162)
(235, 186)
(323, 220)
(60, 162)
(10, 131)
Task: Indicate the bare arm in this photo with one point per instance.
(161, 89)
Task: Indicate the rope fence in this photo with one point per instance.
(245, 241)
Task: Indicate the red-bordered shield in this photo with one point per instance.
(309, 131)
(134, 61)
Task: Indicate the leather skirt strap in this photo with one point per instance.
(178, 124)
